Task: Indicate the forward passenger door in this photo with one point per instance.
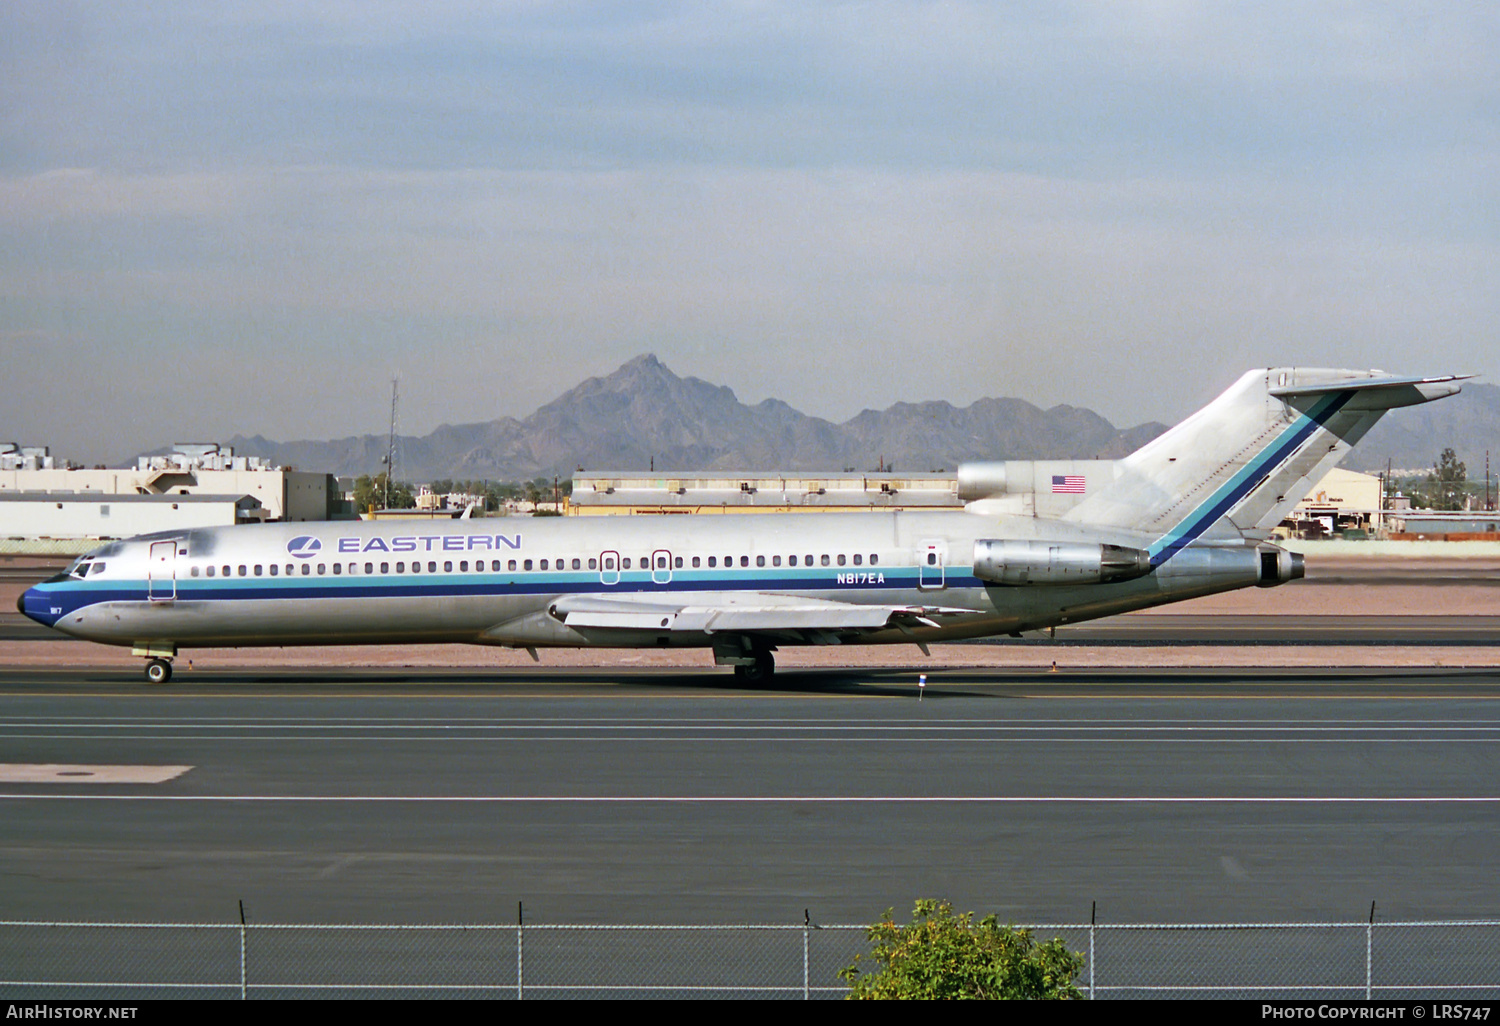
(161, 572)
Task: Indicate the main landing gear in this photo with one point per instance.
(759, 671)
(750, 657)
(158, 671)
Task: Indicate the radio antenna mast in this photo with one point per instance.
(390, 445)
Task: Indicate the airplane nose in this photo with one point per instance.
(35, 606)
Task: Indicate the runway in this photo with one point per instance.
(604, 796)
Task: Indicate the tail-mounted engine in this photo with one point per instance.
(1041, 562)
(1277, 566)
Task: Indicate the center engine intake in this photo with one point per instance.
(1005, 561)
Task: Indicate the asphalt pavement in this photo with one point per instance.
(610, 797)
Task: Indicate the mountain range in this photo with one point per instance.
(644, 415)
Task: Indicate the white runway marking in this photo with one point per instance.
(775, 799)
(800, 739)
(67, 773)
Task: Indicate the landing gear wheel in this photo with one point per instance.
(758, 672)
(158, 671)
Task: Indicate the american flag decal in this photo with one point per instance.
(1070, 484)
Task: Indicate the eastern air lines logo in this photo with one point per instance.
(304, 546)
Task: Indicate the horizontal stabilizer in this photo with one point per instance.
(1383, 393)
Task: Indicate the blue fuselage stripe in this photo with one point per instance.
(69, 596)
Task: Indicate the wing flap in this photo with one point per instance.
(737, 613)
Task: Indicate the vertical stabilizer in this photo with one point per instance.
(1234, 469)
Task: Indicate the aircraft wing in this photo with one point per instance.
(739, 612)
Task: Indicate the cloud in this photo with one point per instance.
(838, 204)
(1087, 86)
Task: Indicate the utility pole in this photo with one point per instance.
(390, 444)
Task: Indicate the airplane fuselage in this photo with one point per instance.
(493, 580)
(1187, 514)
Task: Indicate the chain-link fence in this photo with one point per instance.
(44, 960)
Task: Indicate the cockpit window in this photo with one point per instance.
(80, 568)
(98, 568)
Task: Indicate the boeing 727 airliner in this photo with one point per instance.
(1039, 544)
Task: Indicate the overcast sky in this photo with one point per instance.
(246, 217)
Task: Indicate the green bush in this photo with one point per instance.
(940, 955)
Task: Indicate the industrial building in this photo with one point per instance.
(45, 501)
(1427, 523)
(189, 469)
(47, 516)
(721, 492)
(1342, 501)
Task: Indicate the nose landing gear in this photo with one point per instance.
(158, 659)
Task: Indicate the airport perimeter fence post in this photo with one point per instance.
(243, 987)
(1370, 952)
(520, 963)
(1093, 919)
(806, 985)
